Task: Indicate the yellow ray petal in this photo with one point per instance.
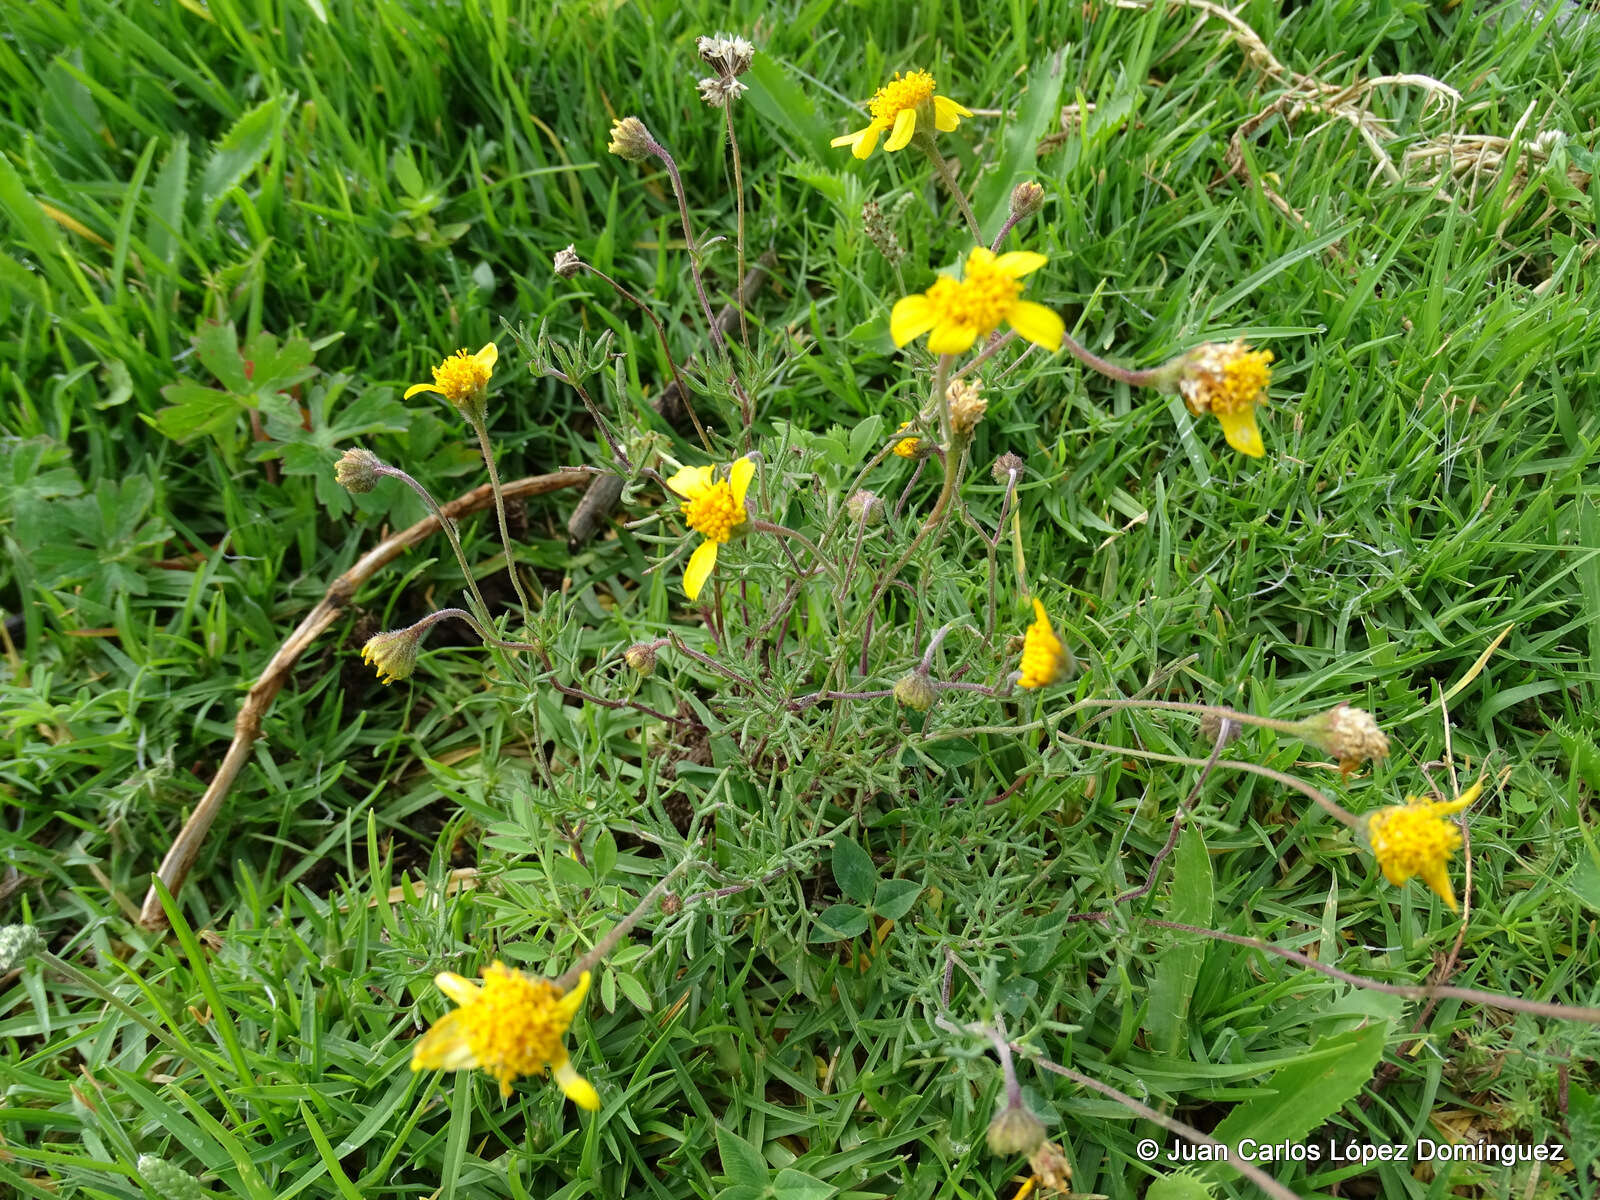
(1038, 324)
(701, 563)
(1019, 263)
(444, 1047)
(739, 476)
(849, 139)
(910, 319)
(421, 387)
(1240, 430)
(488, 356)
(905, 124)
(979, 256)
(458, 988)
(951, 338)
(947, 113)
(575, 1087)
(691, 482)
(1437, 876)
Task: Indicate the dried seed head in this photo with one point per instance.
(1026, 199)
(18, 943)
(357, 470)
(1215, 727)
(877, 227)
(967, 405)
(719, 92)
(1349, 734)
(865, 506)
(641, 656)
(670, 904)
(1015, 1130)
(916, 691)
(726, 54)
(1050, 1164)
(568, 263)
(630, 139)
(1004, 465)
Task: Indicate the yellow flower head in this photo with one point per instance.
(713, 507)
(1044, 659)
(462, 379)
(895, 107)
(910, 447)
(1415, 839)
(393, 654)
(1228, 381)
(511, 1026)
(959, 311)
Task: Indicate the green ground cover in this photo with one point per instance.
(232, 235)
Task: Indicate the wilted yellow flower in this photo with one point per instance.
(895, 107)
(630, 139)
(910, 447)
(462, 379)
(393, 654)
(959, 311)
(1227, 380)
(511, 1026)
(1349, 734)
(1044, 659)
(1415, 839)
(715, 508)
(967, 405)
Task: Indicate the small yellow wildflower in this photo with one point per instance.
(393, 654)
(715, 508)
(895, 107)
(959, 311)
(1044, 659)
(910, 447)
(1415, 839)
(1228, 381)
(510, 1026)
(462, 379)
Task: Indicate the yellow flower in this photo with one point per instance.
(1414, 839)
(910, 447)
(895, 106)
(715, 508)
(510, 1026)
(1228, 381)
(1044, 659)
(393, 654)
(462, 379)
(959, 311)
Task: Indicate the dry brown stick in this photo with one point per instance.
(185, 847)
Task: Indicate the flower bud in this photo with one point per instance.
(1004, 465)
(394, 653)
(18, 943)
(1013, 1131)
(641, 656)
(568, 263)
(865, 507)
(1026, 199)
(916, 691)
(1349, 734)
(357, 470)
(630, 139)
(1214, 727)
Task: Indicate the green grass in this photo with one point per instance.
(376, 185)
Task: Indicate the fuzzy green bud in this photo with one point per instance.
(641, 656)
(358, 470)
(1026, 199)
(1014, 1131)
(18, 943)
(631, 140)
(916, 691)
(394, 654)
(170, 1182)
(865, 507)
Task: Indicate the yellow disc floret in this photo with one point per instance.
(715, 512)
(1044, 659)
(908, 91)
(1415, 839)
(511, 1026)
(713, 507)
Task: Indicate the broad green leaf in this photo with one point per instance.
(788, 107)
(1167, 1018)
(797, 1185)
(742, 1162)
(1181, 1186)
(164, 229)
(1301, 1096)
(240, 151)
(895, 898)
(853, 871)
(196, 410)
(839, 922)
